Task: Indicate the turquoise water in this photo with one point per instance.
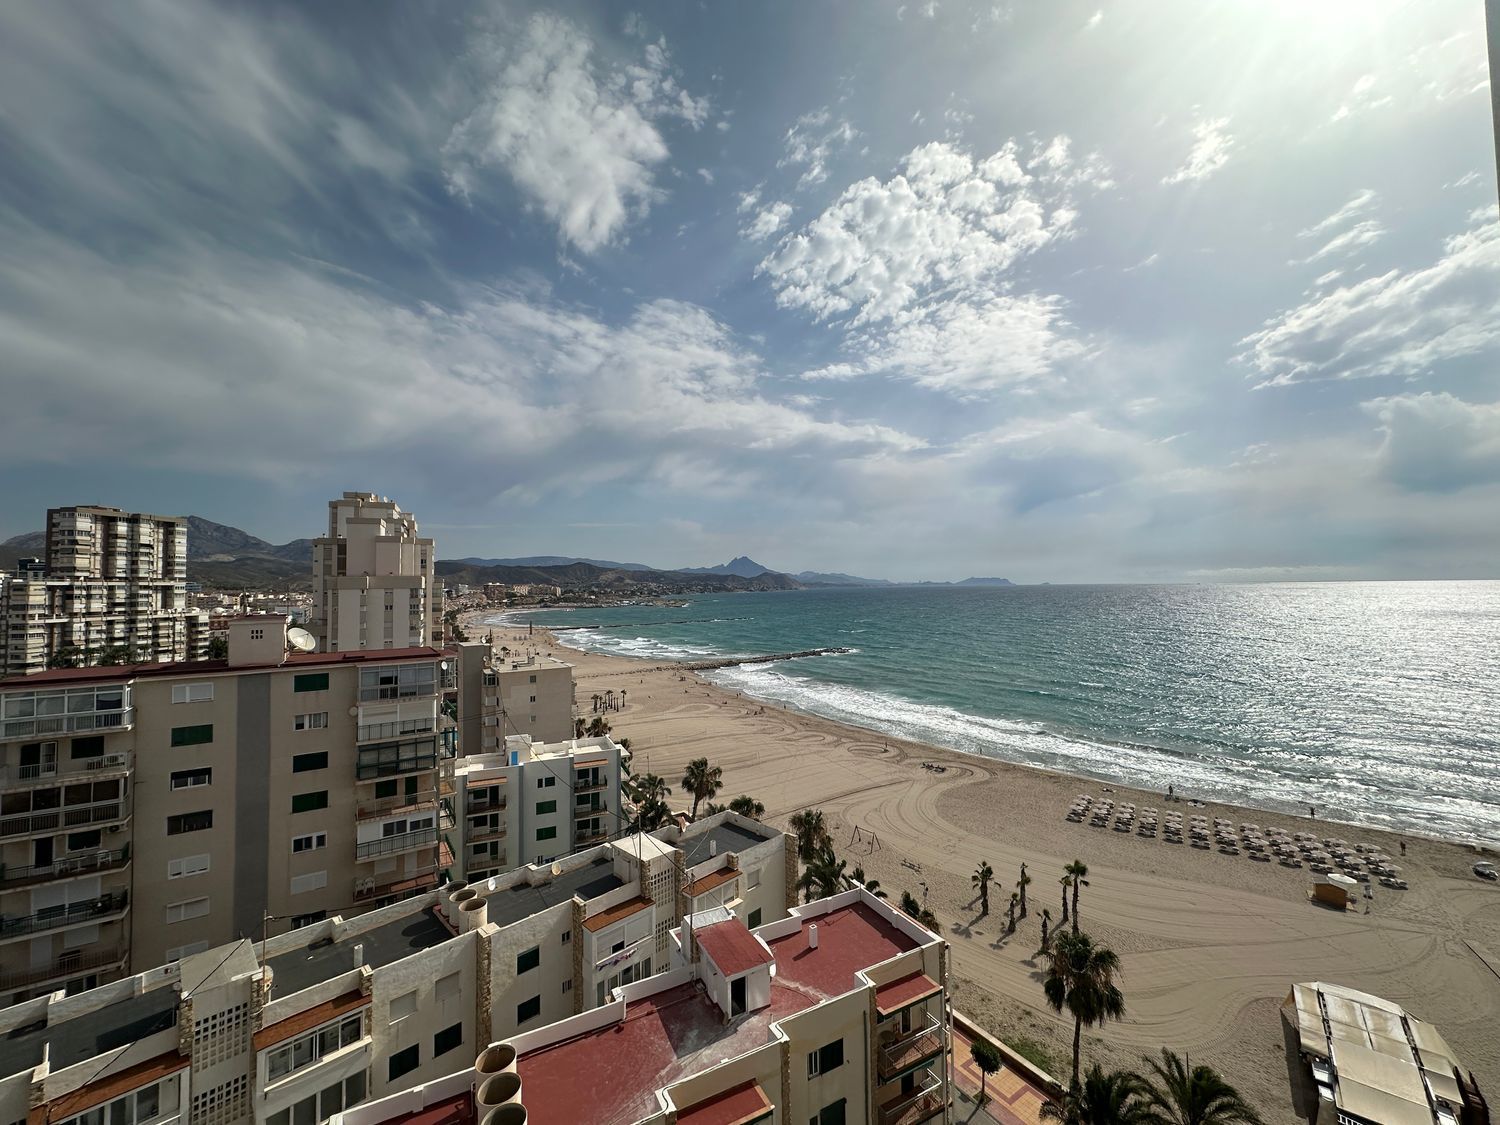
(1377, 702)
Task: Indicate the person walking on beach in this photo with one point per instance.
(1403, 847)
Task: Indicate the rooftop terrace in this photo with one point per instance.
(850, 938)
(382, 945)
(726, 837)
(511, 904)
(90, 1033)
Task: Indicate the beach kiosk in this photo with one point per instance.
(1334, 890)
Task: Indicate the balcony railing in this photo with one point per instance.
(81, 723)
(16, 876)
(47, 771)
(915, 1047)
(590, 785)
(596, 808)
(391, 845)
(483, 832)
(474, 808)
(598, 836)
(393, 806)
(920, 1105)
(70, 964)
(74, 914)
(368, 888)
(69, 816)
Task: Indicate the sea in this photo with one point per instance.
(1376, 702)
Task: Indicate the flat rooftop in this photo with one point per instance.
(729, 838)
(611, 1075)
(302, 968)
(91, 1033)
(510, 904)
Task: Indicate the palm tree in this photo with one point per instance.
(1183, 1094)
(702, 781)
(1115, 1097)
(1077, 870)
(1046, 923)
(1081, 978)
(812, 834)
(1025, 880)
(981, 879)
(871, 885)
(1066, 881)
(1010, 926)
(747, 806)
(824, 875)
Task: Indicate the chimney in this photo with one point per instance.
(713, 848)
(359, 954)
(812, 937)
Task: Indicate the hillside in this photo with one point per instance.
(580, 574)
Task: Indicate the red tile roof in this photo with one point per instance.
(849, 939)
(733, 948)
(734, 1106)
(897, 994)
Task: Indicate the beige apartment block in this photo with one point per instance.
(374, 579)
(270, 791)
(113, 584)
(302, 1026)
(531, 695)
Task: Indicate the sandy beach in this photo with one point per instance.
(1210, 943)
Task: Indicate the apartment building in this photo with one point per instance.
(837, 1014)
(531, 695)
(162, 809)
(293, 1029)
(112, 586)
(535, 802)
(374, 579)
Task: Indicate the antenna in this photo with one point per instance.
(300, 639)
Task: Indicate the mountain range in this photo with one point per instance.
(224, 557)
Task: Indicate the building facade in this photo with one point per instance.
(374, 579)
(113, 586)
(531, 695)
(151, 811)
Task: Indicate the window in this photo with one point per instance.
(384, 789)
(754, 919)
(403, 1062)
(315, 720)
(177, 953)
(825, 1058)
(182, 911)
(528, 1009)
(189, 779)
(302, 763)
(190, 822)
(399, 681)
(547, 781)
(546, 834)
(310, 802)
(323, 1105)
(84, 841)
(752, 879)
(447, 988)
(567, 936)
(403, 1006)
(135, 1108)
(445, 1040)
(312, 881)
(257, 634)
(90, 747)
(831, 1114)
(545, 807)
(528, 960)
(531, 680)
(310, 681)
(309, 843)
(187, 866)
(193, 736)
(567, 987)
(193, 693)
(533, 699)
(301, 920)
(313, 1047)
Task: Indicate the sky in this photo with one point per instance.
(1120, 291)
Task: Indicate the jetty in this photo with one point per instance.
(734, 661)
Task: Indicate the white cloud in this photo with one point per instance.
(811, 142)
(946, 224)
(708, 176)
(1399, 323)
(767, 221)
(1094, 20)
(1358, 204)
(930, 9)
(1360, 235)
(1212, 145)
(577, 138)
(1435, 442)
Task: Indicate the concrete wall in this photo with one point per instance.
(552, 979)
(763, 1065)
(422, 973)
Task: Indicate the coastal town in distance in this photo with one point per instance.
(846, 562)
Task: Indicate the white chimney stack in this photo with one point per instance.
(713, 848)
(812, 937)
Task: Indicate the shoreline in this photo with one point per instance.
(698, 666)
(1210, 943)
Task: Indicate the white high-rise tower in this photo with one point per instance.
(374, 582)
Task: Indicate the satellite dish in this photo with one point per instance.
(557, 869)
(300, 639)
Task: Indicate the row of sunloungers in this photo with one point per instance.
(1361, 862)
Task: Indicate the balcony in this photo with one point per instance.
(474, 807)
(44, 772)
(105, 908)
(85, 723)
(920, 1105)
(478, 834)
(910, 1050)
(369, 890)
(393, 845)
(71, 964)
(588, 784)
(422, 802)
(594, 808)
(584, 839)
(69, 816)
(13, 877)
